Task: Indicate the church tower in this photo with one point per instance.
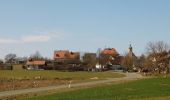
(130, 51)
(130, 48)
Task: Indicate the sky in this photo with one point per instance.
(27, 26)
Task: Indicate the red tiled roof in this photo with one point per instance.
(110, 51)
(62, 54)
(35, 63)
(74, 54)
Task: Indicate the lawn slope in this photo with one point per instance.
(146, 89)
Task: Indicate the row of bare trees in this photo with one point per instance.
(12, 58)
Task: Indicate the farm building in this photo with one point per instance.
(111, 56)
(66, 60)
(35, 64)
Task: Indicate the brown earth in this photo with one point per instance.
(15, 84)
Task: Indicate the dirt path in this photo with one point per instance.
(129, 76)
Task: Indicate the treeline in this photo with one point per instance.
(155, 60)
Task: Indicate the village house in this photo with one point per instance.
(110, 58)
(110, 51)
(65, 59)
(35, 64)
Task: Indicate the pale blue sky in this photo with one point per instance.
(27, 26)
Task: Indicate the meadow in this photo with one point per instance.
(21, 74)
(146, 89)
(21, 79)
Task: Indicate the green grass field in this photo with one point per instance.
(21, 74)
(146, 89)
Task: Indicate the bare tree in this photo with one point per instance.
(1, 61)
(9, 58)
(140, 61)
(157, 47)
(127, 62)
(90, 60)
(156, 51)
(36, 56)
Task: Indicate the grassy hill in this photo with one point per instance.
(21, 74)
(21, 79)
(146, 89)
